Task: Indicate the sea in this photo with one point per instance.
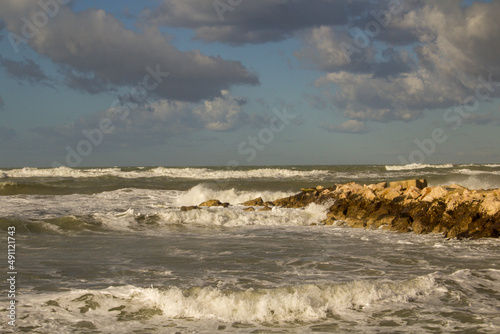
(108, 250)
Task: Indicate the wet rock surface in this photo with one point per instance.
(407, 206)
(214, 202)
(402, 206)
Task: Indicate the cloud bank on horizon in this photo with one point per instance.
(381, 61)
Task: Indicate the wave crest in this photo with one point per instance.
(304, 303)
(183, 173)
(415, 166)
(203, 192)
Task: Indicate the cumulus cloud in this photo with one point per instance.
(316, 101)
(350, 126)
(334, 50)
(256, 21)
(151, 123)
(96, 51)
(458, 38)
(326, 48)
(382, 60)
(425, 55)
(365, 97)
(221, 114)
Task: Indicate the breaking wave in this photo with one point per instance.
(131, 220)
(141, 172)
(203, 192)
(415, 166)
(303, 303)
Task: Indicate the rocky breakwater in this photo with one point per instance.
(402, 206)
(407, 206)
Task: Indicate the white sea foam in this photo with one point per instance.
(204, 192)
(415, 166)
(120, 221)
(226, 217)
(300, 303)
(303, 303)
(475, 182)
(188, 173)
(234, 215)
(60, 172)
(47, 206)
(475, 172)
(119, 206)
(472, 179)
(480, 165)
(123, 209)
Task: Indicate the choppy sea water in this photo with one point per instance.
(107, 250)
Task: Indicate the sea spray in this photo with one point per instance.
(302, 303)
(203, 192)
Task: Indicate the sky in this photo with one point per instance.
(248, 82)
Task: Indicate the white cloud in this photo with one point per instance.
(454, 46)
(328, 48)
(152, 123)
(221, 114)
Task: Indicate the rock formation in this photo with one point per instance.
(402, 206)
(214, 202)
(420, 184)
(189, 208)
(407, 206)
(254, 202)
